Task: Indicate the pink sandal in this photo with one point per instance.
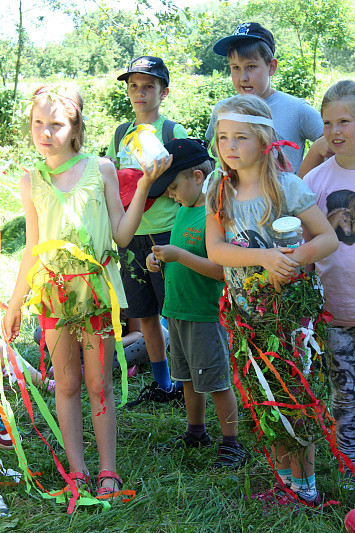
(83, 481)
(108, 492)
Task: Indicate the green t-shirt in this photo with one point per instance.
(160, 217)
(188, 294)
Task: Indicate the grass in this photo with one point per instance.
(176, 492)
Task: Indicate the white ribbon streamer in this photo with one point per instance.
(271, 398)
(308, 342)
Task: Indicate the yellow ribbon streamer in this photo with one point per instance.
(134, 136)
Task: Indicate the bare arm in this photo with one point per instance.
(134, 332)
(170, 253)
(124, 224)
(275, 260)
(12, 319)
(315, 156)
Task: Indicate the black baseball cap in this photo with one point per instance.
(186, 153)
(246, 30)
(153, 66)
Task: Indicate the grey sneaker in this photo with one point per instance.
(186, 440)
(231, 457)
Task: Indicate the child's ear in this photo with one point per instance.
(164, 93)
(199, 176)
(273, 66)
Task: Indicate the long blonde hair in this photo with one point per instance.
(72, 103)
(222, 190)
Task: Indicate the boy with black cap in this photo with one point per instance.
(250, 51)
(147, 81)
(193, 285)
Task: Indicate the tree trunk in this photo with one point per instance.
(19, 49)
(315, 51)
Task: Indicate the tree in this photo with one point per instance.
(317, 23)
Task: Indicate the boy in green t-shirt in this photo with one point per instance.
(147, 81)
(193, 286)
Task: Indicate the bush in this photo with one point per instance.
(189, 103)
(7, 130)
(294, 76)
(13, 235)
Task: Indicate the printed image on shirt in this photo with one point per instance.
(235, 277)
(341, 214)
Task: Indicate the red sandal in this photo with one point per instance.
(108, 492)
(83, 481)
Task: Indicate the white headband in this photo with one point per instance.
(251, 119)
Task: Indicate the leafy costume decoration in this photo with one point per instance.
(92, 273)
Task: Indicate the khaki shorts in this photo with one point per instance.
(199, 353)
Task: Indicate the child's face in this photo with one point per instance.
(145, 93)
(339, 131)
(52, 132)
(186, 190)
(251, 76)
(239, 147)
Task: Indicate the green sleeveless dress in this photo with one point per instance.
(73, 289)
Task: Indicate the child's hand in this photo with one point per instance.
(279, 265)
(167, 253)
(159, 167)
(12, 324)
(152, 263)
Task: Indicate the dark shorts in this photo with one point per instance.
(145, 290)
(199, 353)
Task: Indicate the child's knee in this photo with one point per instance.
(94, 385)
(69, 386)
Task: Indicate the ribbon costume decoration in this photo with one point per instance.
(278, 355)
(93, 277)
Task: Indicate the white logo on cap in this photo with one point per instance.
(242, 29)
(145, 63)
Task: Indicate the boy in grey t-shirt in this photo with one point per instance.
(250, 51)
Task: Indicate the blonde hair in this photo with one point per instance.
(343, 90)
(220, 200)
(72, 103)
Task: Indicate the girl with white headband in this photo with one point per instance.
(253, 189)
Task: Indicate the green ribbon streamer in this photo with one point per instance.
(42, 406)
(84, 499)
(123, 364)
(210, 153)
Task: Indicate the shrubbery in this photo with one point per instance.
(7, 129)
(190, 102)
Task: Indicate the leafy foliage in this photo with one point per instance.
(13, 235)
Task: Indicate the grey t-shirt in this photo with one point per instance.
(294, 120)
(245, 231)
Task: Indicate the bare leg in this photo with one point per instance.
(282, 458)
(227, 411)
(195, 404)
(67, 373)
(302, 464)
(104, 424)
(154, 338)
